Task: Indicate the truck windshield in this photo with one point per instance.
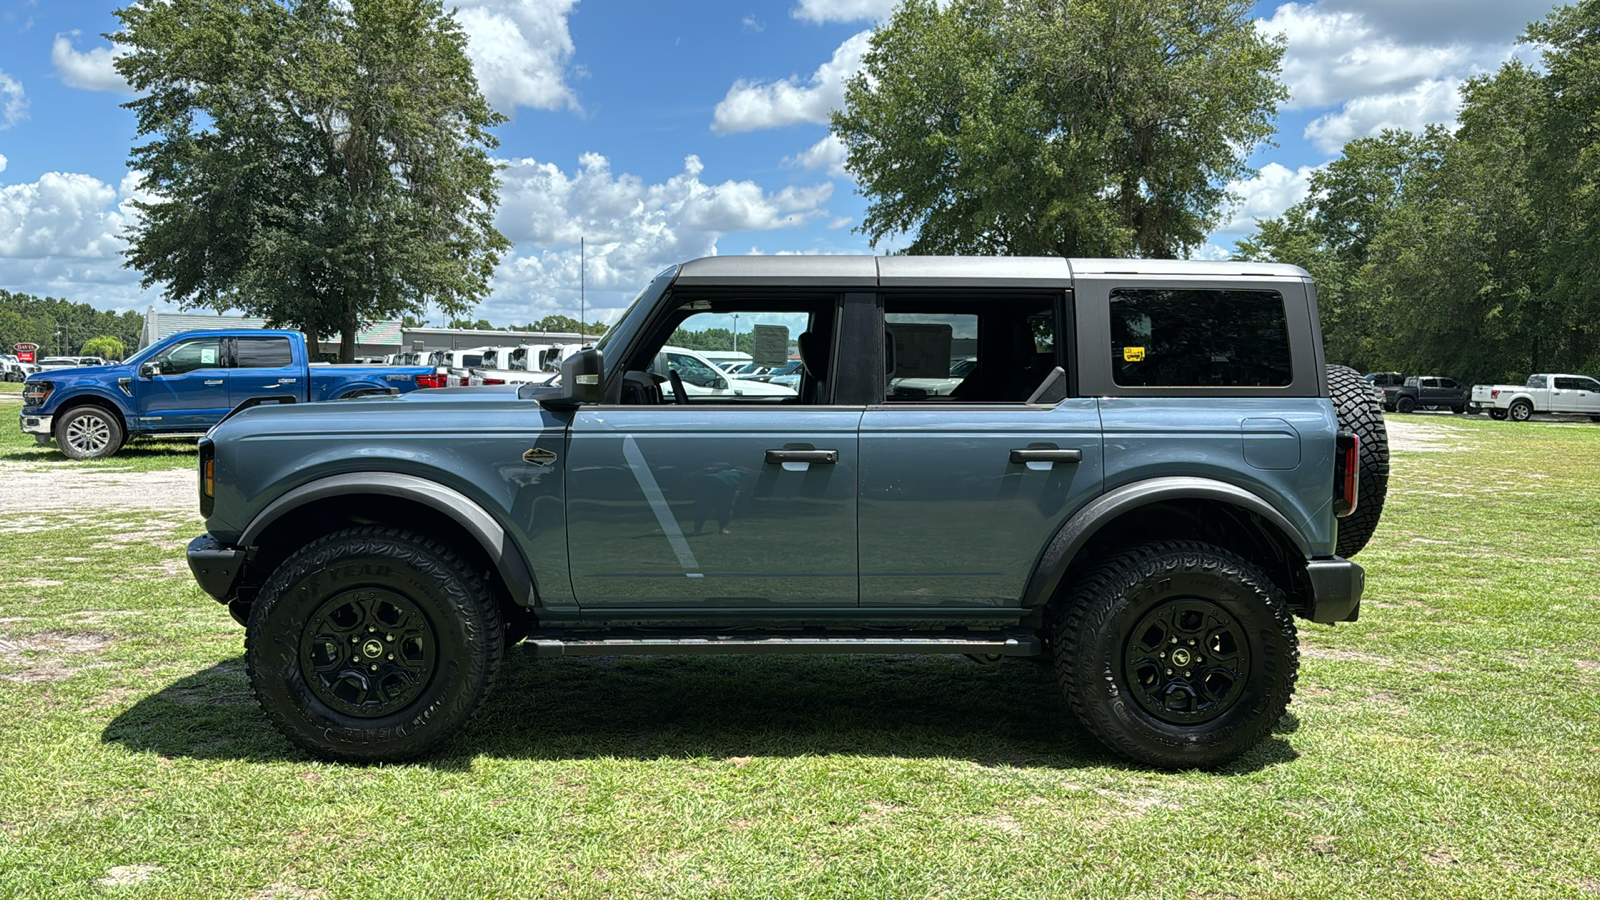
(620, 335)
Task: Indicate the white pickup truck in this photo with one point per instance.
(1560, 395)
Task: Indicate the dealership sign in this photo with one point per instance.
(25, 351)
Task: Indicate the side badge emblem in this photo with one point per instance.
(539, 457)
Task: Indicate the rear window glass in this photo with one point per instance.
(262, 353)
(1187, 337)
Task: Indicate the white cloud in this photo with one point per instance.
(753, 105)
(1435, 101)
(632, 229)
(2, 162)
(13, 102)
(1333, 57)
(520, 50)
(1274, 189)
(61, 236)
(820, 11)
(827, 154)
(1495, 21)
(91, 71)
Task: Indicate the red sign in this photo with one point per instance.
(25, 351)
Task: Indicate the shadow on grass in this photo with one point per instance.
(1011, 714)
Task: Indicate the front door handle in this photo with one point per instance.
(826, 457)
(1060, 456)
(217, 381)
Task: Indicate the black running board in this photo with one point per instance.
(1007, 643)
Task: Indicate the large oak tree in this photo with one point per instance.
(1071, 127)
(321, 163)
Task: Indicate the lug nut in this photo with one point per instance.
(388, 637)
(374, 667)
(1169, 671)
(1187, 674)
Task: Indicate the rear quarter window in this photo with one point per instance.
(1199, 337)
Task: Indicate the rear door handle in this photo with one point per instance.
(1060, 456)
(217, 381)
(826, 457)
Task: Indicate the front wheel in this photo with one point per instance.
(372, 645)
(1520, 411)
(1177, 654)
(89, 432)
(1405, 405)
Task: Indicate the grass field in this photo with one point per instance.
(1446, 745)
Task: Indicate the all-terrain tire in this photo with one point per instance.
(372, 644)
(1361, 414)
(1520, 411)
(89, 432)
(1176, 654)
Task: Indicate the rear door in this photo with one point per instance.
(264, 367)
(962, 489)
(1575, 394)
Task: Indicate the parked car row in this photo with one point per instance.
(1547, 393)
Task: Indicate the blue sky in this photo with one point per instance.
(663, 131)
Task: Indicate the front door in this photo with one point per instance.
(189, 390)
(713, 506)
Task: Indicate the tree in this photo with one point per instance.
(321, 163)
(1071, 127)
(105, 346)
(58, 326)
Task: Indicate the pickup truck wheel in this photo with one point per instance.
(1520, 411)
(1499, 414)
(1358, 414)
(372, 645)
(1405, 405)
(88, 432)
(1177, 654)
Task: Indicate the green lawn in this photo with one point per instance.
(10, 387)
(141, 455)
(1447, 745)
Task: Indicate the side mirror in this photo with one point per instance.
(582, 380)
(149, 370)
(720, 384)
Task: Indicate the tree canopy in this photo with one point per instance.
(60, 327)
(321, 163)
(1070, 127)
(1469, 252)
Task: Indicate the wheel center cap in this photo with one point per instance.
(1181, 657)
(373, 649)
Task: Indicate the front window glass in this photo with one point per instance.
(188, 356)
(1199, 338)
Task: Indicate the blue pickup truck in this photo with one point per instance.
(184, 384)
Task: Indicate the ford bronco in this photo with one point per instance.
(1144, 475)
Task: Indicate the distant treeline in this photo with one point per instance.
(61, 327)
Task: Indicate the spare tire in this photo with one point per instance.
(1361, 414)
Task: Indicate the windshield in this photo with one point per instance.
(623, 331)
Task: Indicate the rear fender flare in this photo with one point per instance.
(1086, 522)
(460, 508)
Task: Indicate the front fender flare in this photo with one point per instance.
(461, 509)
(1082, 526)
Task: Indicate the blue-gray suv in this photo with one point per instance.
(1145, 473)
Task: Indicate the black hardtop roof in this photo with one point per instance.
(930, 271)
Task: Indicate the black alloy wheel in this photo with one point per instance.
(372, 644)
(1176, 654)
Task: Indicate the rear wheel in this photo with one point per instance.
(372, 645)
(1520, 411)
(1177, 654)
(88, 432)
(1497, 414)
(1358, 413)
(1405, 405)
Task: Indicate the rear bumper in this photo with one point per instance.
(215, 567)
(1336, 586)
(32, 424)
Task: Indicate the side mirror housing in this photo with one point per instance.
(148, 370)
(582, 380)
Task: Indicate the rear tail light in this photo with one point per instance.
(1346, 474)
(430, 381)
(1493, 394)
(494, 381)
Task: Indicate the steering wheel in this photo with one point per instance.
(679, 395)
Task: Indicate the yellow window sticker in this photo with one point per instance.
(1133, 354)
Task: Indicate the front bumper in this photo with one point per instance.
(1336, 586)
(215, 567)
(32, 424)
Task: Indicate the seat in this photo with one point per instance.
(814, 361)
